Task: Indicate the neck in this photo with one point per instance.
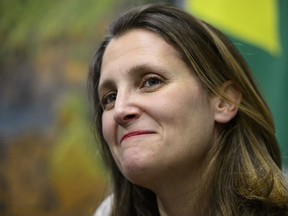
(183, 197)
(169, 207)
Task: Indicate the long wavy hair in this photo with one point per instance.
(243, 170)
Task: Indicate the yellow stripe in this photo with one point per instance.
(253, 21)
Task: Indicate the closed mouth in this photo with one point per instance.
(135, 133)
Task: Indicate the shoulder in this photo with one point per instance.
(105, 208)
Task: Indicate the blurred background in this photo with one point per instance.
(49, 162)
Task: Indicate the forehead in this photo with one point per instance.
(135, 42)
(135, 48)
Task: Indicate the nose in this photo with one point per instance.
(126, 109)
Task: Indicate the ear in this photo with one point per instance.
(226, 105)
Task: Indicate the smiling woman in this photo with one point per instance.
(141, 124)
(182, 126)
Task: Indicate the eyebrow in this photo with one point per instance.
(134, 72)
(142, 69)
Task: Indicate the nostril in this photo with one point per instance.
(128, 117)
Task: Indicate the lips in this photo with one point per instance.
(135, 133)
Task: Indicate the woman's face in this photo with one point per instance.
(157, 120)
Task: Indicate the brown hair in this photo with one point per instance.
(243, 174)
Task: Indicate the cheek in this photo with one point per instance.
(195, 120)
(107, 128)
(179, 106)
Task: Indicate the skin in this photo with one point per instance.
(158, 121)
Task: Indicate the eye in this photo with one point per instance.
(108, 100)
(151, 81)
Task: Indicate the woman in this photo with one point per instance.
(182, 125)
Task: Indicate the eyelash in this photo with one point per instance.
(142, 85)
(150, 77)
(104, 101)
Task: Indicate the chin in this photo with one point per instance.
(138, 173)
